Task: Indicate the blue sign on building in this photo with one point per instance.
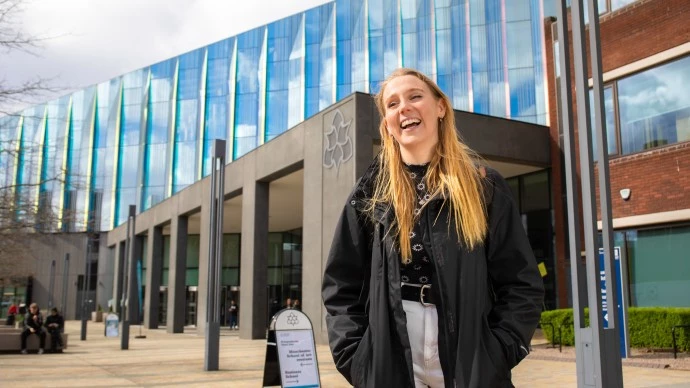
(622, 300)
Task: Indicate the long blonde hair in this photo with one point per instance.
(452, 175)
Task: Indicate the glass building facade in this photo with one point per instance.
(141, 137)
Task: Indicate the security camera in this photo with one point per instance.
(625, 194)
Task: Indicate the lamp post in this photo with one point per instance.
(598, 358)
(215, 254)
(130, 274)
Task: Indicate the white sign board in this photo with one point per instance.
(112, 325)
(297, 359)
(296, 350)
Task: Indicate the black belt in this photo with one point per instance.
(418, 293)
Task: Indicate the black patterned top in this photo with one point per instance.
(418, 269)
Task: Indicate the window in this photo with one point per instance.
(649, 109)
(657, 265)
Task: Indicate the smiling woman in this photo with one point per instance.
(430, 280)
(412, 115)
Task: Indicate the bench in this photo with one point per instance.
(10, 340)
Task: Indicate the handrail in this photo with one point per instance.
(553, 335)
(673, 334)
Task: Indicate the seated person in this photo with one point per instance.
(11, 315)
(55, 324)
(33, 324)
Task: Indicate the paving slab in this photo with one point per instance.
(168, 360)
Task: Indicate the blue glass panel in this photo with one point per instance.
(417, 36)
(538, 62)
(216, 118)
(216, 113)
(517, 10)
(184, 172)
(165, 69)
(221, 49)
(192, 59)
(655, 107)
(154, 166)
(187, 120)
(522, 97)
(247, 90)
(277, 104)
(128, 166)
(125, 197)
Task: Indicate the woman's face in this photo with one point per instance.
(412, 115)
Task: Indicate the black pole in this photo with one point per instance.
(85, 290)
(51, 292)
(65, 277)
(131, 274)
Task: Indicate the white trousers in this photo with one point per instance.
(422, 328)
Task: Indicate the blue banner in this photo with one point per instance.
(618, 274)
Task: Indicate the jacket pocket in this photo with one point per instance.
(358, 368)
(494, 352)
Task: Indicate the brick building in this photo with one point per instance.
(645, 50)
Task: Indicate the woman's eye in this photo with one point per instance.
(415, 97)
(392, 104)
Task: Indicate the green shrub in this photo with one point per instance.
(649, 327)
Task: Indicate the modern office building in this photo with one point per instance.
(292, 101)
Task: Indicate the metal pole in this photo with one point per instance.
(85, 290)
(215, 250)
(610, 352)
(51, 287)
(65, 278)
(578, 281)
(597, 352)
(130, 274)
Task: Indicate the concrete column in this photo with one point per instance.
(253, 272)
(177, 272)
(106, 274)
(327, 183)
(120, 255)
(154, 267)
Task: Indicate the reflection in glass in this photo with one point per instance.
(655, 107)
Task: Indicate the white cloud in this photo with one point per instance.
(93, 41)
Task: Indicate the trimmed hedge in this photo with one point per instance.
(650, 327)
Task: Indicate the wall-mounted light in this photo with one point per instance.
(625, 194)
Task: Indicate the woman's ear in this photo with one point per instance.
(441, 109)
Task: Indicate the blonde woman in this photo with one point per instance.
(430, 280)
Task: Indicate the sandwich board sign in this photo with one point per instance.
(290, 352)
(111, 325)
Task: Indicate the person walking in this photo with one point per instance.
(430, 280)
(232, 311)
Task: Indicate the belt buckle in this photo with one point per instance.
(421, 295)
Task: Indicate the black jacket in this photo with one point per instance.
(491, 297)
(29, 321)
(55, 319)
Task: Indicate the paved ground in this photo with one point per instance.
(164, 359)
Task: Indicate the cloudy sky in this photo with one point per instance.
(91, 41)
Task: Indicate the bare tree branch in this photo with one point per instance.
(31, 208)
